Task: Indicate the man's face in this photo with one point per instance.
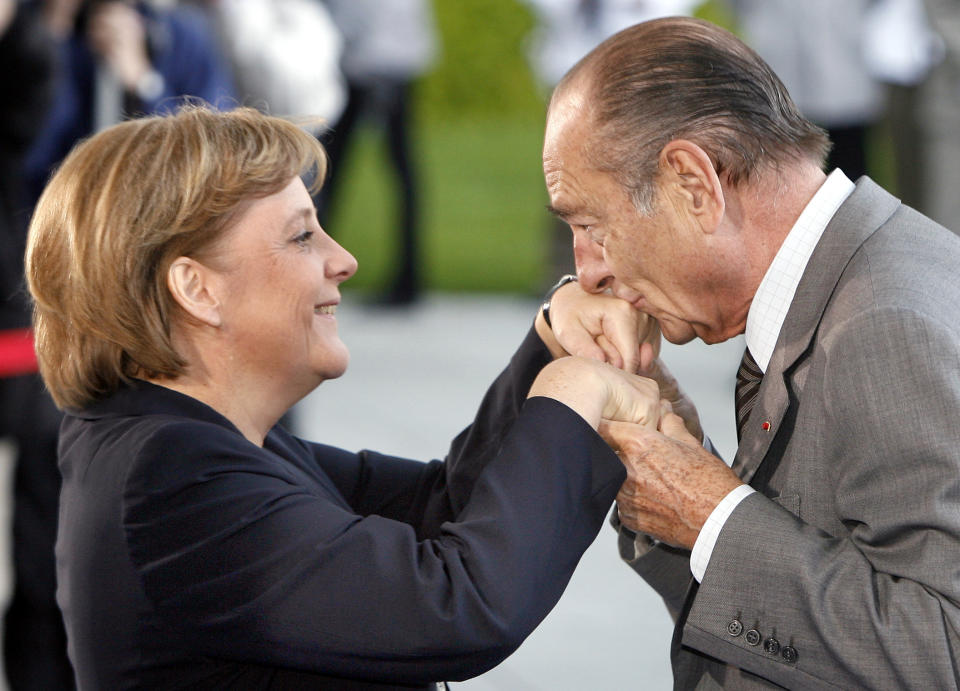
(659, 263)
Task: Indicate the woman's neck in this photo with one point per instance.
(248, 411)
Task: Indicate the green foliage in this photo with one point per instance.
(482, 70)
(477, 145)
(718, 12)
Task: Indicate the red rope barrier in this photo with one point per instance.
(17, 355)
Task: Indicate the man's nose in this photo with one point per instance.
(592, 272)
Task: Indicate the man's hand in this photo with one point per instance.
(673, 483)
(601, 327)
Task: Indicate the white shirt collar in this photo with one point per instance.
(772, 301)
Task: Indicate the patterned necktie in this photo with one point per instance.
(749, 377)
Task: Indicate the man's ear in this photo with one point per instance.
(193, 287)
(689, 173)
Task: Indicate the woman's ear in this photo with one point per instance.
(193, 287)
(694, 182)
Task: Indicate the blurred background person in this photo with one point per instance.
(120, 58)
(925, 114)
(284, 54)
(101, 61)
(881, 77)
(34, 650)
(387, 45)
(818, 49)
(26, 66)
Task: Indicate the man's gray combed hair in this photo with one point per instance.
(685, 78)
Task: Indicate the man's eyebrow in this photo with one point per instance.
(559, 212)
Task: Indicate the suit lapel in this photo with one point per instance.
(865, 210)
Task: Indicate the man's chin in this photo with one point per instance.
(677, 333)
(686, 338)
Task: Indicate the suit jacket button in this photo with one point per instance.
(790, 654)
(771, 645)
(735, 628)
(752, 637)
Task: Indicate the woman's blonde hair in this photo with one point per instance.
(122, 207)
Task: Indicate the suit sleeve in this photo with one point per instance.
(243, 562)
(427, 495)
(875, 602)
(665, 568)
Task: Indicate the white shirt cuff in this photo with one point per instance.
(703, 547)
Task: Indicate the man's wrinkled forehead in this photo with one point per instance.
(568, 126)
(572, 96)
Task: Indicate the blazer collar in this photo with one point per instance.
(145, 398)
(864, 211)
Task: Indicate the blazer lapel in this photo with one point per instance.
(865, 210)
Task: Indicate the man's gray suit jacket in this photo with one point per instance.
(843, 570)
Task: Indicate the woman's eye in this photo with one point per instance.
(304, 237)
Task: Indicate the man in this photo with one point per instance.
(828, 556)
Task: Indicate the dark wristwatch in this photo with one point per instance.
(545, 307)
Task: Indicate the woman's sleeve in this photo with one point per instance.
(245, 561)
(425, 495)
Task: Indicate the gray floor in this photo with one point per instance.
(415, 378)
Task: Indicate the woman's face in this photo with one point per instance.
(279, 276)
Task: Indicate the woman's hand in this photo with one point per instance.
(599, 327)
(598, 391)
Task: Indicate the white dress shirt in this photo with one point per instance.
(764, 321)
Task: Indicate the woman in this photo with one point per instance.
(185, 298)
